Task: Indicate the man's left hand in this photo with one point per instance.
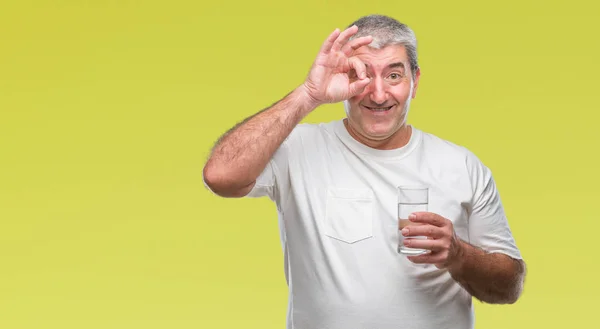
(445, 247)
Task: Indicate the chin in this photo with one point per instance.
(381, 136)
(379, 130)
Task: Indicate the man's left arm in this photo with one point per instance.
(493, 278)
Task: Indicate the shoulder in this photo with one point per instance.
(312, 132)
(435, 144)
(450, 152)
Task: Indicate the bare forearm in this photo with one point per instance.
(490, 277)
(242, 153)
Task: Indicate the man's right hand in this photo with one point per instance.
(329, 79)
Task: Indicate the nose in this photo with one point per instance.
(377, 91)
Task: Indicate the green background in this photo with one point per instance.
(108, 110)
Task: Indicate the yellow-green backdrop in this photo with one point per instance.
(108, 110)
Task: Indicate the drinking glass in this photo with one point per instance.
(410, 199)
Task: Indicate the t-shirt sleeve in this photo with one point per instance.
(274, 180)
(488, 225)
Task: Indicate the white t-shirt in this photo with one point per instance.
(337, 205)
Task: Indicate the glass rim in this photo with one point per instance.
(412, 187)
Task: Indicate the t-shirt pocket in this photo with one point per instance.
(349, 214)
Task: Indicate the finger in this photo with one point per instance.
(326, 47)
(343, 37)
(358, 66)
(423, 230)
(432, 258)
(427, 218)
(358, 86)
(355, 44)
(433, 245)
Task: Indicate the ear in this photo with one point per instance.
(416, 82)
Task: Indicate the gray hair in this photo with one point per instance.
(387, 31)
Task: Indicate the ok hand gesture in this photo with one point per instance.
(336, 75)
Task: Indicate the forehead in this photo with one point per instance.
(380, 58)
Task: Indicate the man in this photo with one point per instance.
(334, 185)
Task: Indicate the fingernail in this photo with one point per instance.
(404, 231)
(412, 216)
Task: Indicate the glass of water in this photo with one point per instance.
(410, 199)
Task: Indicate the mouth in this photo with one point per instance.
(377, 109)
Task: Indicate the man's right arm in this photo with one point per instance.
(242, 153)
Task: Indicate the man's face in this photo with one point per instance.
(380, 110)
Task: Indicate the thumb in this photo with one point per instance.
(358, 86)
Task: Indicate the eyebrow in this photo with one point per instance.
(392, 65)
(397, 64)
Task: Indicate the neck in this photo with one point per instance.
(397, 140)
